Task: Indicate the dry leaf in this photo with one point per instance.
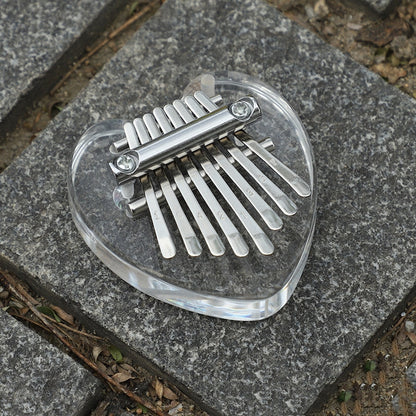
(169, 394)
(101, 367)
(121, 377)
(357, 408)
(382, 32)
(390, 72)
(24, 311)
(172, 404)
(401, 336)
(412, 337)
(96, 351)
(63, 315)
(158, 386)
(128, 368)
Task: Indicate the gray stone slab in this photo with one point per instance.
(411, 375)
(37, 41)
(38, 379)
(362, 259)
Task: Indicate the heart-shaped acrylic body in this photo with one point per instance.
(246, 288)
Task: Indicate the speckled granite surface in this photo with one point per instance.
(35, 37)
(411, 375)
(38, 379)
(362, 261)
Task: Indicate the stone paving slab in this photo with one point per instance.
(411, 375)
(362, 262)
(38, 39)
(38, 379)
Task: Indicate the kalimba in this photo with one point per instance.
(197, 171)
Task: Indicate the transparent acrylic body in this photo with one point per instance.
(237, 288)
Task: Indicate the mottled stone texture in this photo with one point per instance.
(362, 261)
(411, 375)
(38, 379)
(38, 39)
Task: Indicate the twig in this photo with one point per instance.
(11, 280)
(72, 329)
(111, 36)
(25, 318)
(7, 281)
(400, 321)
(412, 359)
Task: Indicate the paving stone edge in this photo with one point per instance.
(42, 85)
(331, 388)
(95, 327)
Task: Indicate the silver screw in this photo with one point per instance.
(126, 163)
(241, 109)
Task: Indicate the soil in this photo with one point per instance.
(378, 384)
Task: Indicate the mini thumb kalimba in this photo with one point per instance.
(207, 203)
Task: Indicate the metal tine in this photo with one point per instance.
(261, 240)
(290, 177)
(167, 246)
(272, 220)
(141, 130)
(183, 111)
(211, 237)
(287, 206)
(234, 238)
(131, 135)
(123, 143)
(188, 235)
(186, 231)
(194, 106)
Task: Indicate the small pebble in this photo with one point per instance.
(4, 294)
(176, 410)
(410, 326)
(309, 11)
(320, 9)
(354, 26)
